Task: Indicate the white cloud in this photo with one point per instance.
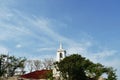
(35, 27)
(105, 53)
(18, 46)
(45, 49)
(75, 50)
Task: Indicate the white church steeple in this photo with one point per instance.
(61, 53)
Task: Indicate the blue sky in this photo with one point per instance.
(34, 28)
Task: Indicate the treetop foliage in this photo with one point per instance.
(8, 64)
(76, 67)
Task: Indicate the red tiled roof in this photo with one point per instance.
(39, 74)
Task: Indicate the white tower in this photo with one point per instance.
(61, 53)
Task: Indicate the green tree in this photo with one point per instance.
(50, 75)
(72, 67)
(96, 70)
(15, 63)
(8, 64)
(76, 67)
(111, 73)
(3, 64)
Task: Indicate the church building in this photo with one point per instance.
(42, 74)
(61, 54)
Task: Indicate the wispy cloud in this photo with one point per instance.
(105, 53)
(40, 29)
(46, 49)
(18, 46)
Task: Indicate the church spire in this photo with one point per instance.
(61, 46)
(61, 53)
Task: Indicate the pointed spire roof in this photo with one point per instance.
(61, 47)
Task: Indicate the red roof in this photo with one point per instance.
(39, 74)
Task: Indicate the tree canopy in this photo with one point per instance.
(76, 67)
(8, 64)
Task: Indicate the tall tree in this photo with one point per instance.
(76, 67)
(72, 68)
(8, 64)
(3, 64)
(37, 64)
(15, 63)
(34, 65)
(30, 65)
(47, 63)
